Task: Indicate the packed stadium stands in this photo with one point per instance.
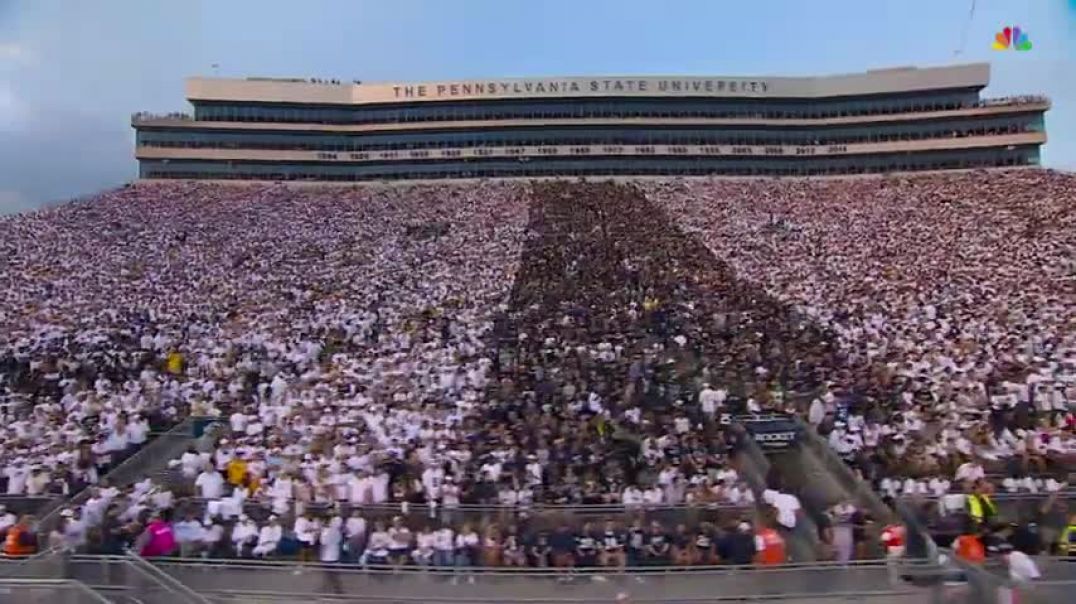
(539, 373)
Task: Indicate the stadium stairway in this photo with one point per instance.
(755, 468)
(52, 576)
(146, 462)
(797, 473)
(172, 478)
(816, 474)
(853, 488)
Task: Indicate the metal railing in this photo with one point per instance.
(536, 517)
(131, 573)
(1014, 100)
(432, 511)
(47, 564)
(163, 586)
(872, 597)
(29, 504)
(48, 591)
(145, 116)
(158, 452)
(990, 582)
(273, 580)
(864, 496)
(173, 581)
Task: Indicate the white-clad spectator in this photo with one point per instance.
(444, 544)
(711, 400)
(212, 537)
(7, 518)
(331, 540)
(210, 484)
(244, 536)
(378, 546)
(425, 540)
(969, 471)
(188, 533)
(307, 529)
(355, 534)
(269, 538)
(1022, 568)
(786, 504)
(190, 463)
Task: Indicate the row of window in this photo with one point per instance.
(580, 108)
(641, 171)
(204, 140)
(894, 163)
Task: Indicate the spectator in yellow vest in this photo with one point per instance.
(175, 362)
(981, 506)
(236, 470)
(1066, 545)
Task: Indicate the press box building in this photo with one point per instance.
(879, 121)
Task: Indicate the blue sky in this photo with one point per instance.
(72, 71)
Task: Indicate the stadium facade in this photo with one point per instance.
(879, 121)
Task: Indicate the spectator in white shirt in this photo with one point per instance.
(213, 539)
(444, 545)
(466, 546)
(190, 463)
(188, 534)
(7, 519)
(210, 484)
(969, 471)
(710, 400)
(138, 430)
(1022, 568)
(632, 496)
(306, 530)
(355, 535)
(653, 496)
(787, 506)
(423, 554)
(330, 540)
(377, 548)
(269, 538)
(244, 536)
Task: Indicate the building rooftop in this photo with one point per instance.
(335, 92)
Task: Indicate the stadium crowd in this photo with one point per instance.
(550, 343)
(950, 297)
(195, 297)
(334, 536)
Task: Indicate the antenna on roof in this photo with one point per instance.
(964, 32)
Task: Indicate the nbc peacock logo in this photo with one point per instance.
(1012, 38)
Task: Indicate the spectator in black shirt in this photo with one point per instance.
(586, 547)
(683, 547)
(1026, 538)
(562, 543)
(738, 545)
(658, 548)
(613, 546)
(513, 553)
(861, 522)
(540, 551)
(636, 549)
(706, 545)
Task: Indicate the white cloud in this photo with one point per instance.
(13, 51)
(11, 110)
